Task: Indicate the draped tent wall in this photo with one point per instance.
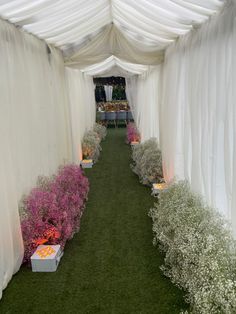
(89, 31)
(82, 107)
(108, 91)
(144, 95)
(11, 245)
(198, 118)
(131, 94)
(34, 130)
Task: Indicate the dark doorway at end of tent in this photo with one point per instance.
(112, 105)
(118, 88)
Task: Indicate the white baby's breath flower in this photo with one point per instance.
(147, 162)
(200, 251)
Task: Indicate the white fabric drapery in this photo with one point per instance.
(198, 115)
(11, 245)
(82, 107)
(141, 30)
(34, 130)
(107, 66)
(109, 41)
(144, 95)
(108, 91)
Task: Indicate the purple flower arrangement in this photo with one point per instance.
(51, 212)
(132, 133)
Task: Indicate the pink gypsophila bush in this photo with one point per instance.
(132, 133)
(52, 211)
(71, 188)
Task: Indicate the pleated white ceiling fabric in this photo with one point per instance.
(144, 27)
(110, 41)
(112, 64)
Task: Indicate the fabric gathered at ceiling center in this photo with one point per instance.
(89, 31)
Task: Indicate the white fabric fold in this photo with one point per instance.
(35, 132)
(82, 107)
(198, 111)
(144, 95)
(129, 68)
(112, 42)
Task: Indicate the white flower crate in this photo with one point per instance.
(134, 143)
(87, 163)
(158, 187)
(46, 258)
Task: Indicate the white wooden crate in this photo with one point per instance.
(46, 258)
(87, 163)
(134, 143)
(158, 187)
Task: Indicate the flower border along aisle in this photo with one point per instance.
(51, 213)
(200, 252)
(147, 162)
(101, 130)
(91, 142)
(132, 134)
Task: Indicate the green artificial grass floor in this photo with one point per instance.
(111, 265)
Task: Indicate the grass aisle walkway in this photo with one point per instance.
(111, 265)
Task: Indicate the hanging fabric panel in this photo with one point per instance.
(108, 91)
(198, 118)
(144, 96)
(81, 91)
(34, 130)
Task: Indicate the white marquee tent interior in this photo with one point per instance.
(179, 61)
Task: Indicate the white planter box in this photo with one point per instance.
(134, 143)
(158, 187)
(46, 258)
(87, 163)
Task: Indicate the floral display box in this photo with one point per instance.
(158, 187)
(87, 163)
(133, 143)
(46, 258)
